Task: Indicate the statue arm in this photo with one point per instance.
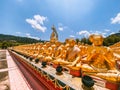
(78, 59)
(109, 57)
(90, 55)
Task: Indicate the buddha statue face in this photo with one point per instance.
(57, 43)
(71, 42)
(97, 40)
(53, 40)
(44, 47)
(66, 41)
(48, 44)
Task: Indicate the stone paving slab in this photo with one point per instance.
(16, 78)
(4, 78)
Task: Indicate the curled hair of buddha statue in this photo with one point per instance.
(93, 37)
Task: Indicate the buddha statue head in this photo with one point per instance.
(71, 42)
(96, 40)
(57, 43)
(48, 44)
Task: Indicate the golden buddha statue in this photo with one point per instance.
(54, 35)
(60, 52)
(57, 49)
(73, 51)
(33, 52)
(41, 53)
(50, 53)
(68, 53)
(61, 55)
(37, 50)
(99, 58)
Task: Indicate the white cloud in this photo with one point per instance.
(18, 33)
(84, 33)
(72, 36)
(116, 20)
(40, 19)
(112, 33)
(100, 33)
(60, 28)
(87, 33)
(37, 22)
(97, 32)
(107, 30)
(29, 36)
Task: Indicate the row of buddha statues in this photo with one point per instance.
(93, 59)
(116, 47)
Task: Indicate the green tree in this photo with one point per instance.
(4, 45)
(77, 40)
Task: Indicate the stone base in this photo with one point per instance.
(105, 83)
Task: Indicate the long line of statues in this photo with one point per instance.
(93, 59)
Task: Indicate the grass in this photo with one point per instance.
(3, 64)
(3, 75)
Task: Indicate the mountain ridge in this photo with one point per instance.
(19, 39)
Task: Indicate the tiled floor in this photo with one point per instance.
(17, 80)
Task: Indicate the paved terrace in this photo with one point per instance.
(16, 78)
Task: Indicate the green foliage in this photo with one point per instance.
(85, 41)
(77, 40)
(110, 40)
(4, 45)
(17, 39)
(9, 41)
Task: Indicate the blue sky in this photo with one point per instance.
(72, 18)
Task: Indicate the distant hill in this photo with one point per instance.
(108, 41)
(112, 39)
(18, 39)
(117, 34)
(10, 40)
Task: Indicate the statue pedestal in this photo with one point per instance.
(76, 73)
(105, 83)
(54, 65)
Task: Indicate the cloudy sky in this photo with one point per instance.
(72, 18)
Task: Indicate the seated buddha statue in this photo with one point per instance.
(81, 56)
(37, 50)
(69, 53)
(61, 52)
(99, 58)
(34, 52)
(73, 50)
(61, 55)
(30, 52)
(49, 53)
(42, 51)
(57, 49)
